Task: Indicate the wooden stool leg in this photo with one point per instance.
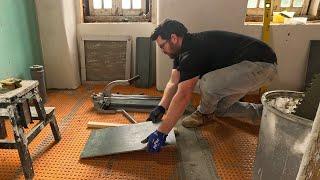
(21, 143)
(3, 131)
(55, 128)
(42, 116)
(24, 154)
(39, 107)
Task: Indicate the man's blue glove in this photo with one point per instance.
(156, 114)
(155, 141)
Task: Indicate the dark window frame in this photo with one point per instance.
(117, 14)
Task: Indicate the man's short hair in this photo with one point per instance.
(168, 27)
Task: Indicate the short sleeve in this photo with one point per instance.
(175, 64)
(190, 67)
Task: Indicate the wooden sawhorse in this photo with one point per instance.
(15, 105)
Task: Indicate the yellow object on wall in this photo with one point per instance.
(282, 17)
(277, 17)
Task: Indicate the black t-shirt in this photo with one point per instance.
(207, 51)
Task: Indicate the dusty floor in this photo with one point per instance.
(233, 145)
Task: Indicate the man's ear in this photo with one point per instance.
(174, 38)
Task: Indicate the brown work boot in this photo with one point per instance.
(196, 119)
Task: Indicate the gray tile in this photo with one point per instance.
(115, 140)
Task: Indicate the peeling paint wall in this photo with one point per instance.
(19, 38)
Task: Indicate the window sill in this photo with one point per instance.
(101, 23)
(116, 19)
(280, 24)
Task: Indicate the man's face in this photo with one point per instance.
(169, 47)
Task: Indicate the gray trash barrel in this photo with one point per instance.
(37, 73)
(282, 137)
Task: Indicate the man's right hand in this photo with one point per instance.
(156, 114)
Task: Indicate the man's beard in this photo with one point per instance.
(175, 51)
(172, 56)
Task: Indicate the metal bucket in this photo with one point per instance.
(37, 73)
(282, 140)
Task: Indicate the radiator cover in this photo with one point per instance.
(105, 58)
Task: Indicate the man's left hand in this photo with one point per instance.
(155, 141)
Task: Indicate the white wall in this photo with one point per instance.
(292, 49)
(70, 21)
(57, 21)
(57, 25)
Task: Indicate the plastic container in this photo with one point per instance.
(282, 139)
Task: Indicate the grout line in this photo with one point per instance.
(194, 155)
(207, 152)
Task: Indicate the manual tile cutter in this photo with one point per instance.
(106, 102)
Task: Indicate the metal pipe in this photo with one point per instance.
(108, 88)
(127, 115)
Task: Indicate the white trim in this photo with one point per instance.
(104, 38)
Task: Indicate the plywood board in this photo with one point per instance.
(99, 125)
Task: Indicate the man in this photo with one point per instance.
(228, 65)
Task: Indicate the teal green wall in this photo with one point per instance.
(19, 38)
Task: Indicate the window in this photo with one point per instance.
(255, 8)
(117, 10)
